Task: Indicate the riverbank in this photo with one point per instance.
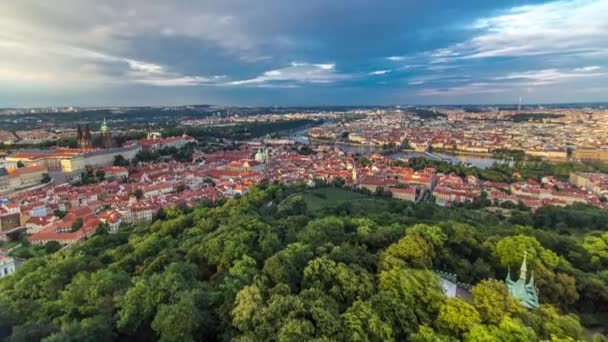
(346, 143)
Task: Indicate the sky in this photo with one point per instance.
(294, 52)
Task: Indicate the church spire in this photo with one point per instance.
(525, 292)
(524, 267)
(531, 282)
(104, 127)
(79, 133)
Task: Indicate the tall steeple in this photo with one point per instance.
(79, 134)
(104, 127)
(523, 271)
(87, 132)
(106, 141)
(524, 291)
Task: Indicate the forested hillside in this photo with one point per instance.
(285, 264)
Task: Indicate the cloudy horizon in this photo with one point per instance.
(84, 53)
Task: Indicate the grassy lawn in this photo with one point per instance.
(322, 198)
(326, 197)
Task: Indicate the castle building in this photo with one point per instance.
(525, 292)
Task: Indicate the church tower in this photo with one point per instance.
(522, 289)
(106, 138)
(83, 137)
(78, 135)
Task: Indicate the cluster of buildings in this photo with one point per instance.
(453, 189)
(215, 120)
(557, 134)
(19, 178)
(73, 161)
(112, 202)
(35, 136)
(596, 183)
(229, 173)
(136, 194)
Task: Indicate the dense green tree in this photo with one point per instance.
(287, 266)
(140, 302)
(52, 247)
(492, 300)
(508, 330)
(457, 316)
(560, 326)
(597, 246)
(343, 282)
(411, 251)
(251, 269)
(90, 329)
(362, 323)
(181, 319)
(247, 302)
(408, 296)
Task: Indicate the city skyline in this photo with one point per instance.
(292, 53)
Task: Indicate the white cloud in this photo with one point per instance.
(560, 27)
(148, 68)
(73, 42)
(588, 68)
(553, 75)
(296, 72)
(180, 81)
(568, 37)
(77, 65)
(379, 72)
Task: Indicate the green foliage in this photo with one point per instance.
(119, 160)
(457, 316)
(534, 116)
(411, 251)
(59, 213)
(491, 299)
(362, 323)
(52, 247)
(509, 163)
(427, 114)
(597, 247)
(268, 267)
(507, 330)
(77, 224)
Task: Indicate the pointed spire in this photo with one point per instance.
(509, 273)
(524, 267)
(531, 282)
(79, 133)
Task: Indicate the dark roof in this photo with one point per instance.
(3, 172)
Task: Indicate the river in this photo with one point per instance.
(480, 161)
